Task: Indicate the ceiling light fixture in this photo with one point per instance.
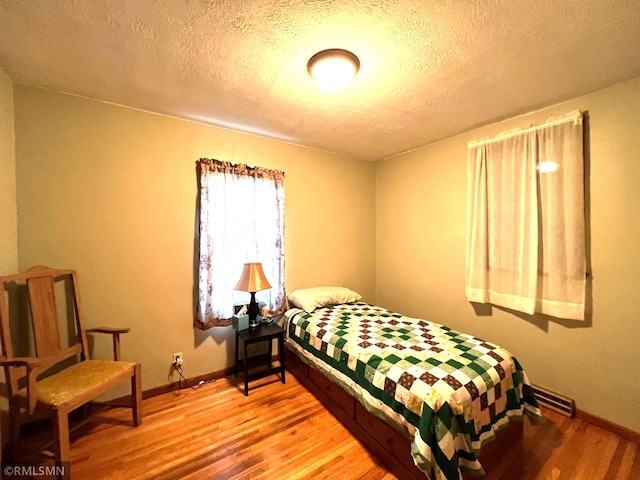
(333, 69)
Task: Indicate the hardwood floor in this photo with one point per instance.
(283, 432)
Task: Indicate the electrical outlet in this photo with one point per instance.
(177, 359)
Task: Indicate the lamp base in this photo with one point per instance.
(253, 323)
(253, 311)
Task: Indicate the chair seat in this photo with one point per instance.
(78, 379)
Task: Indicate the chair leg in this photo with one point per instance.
(14, 430)
(136, 394)
(61, 435)
(14, 421)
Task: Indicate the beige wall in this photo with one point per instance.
(420, 260)
(8, 208)
(111, 192)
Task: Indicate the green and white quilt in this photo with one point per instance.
(450, 390)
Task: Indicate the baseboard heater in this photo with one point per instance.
(555, 401)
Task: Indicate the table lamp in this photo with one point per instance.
(252, 281)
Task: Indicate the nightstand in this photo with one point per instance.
(261, 333)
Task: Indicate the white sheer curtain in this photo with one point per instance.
(525, 228)
(241, 220)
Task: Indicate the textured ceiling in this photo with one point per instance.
(429, 69)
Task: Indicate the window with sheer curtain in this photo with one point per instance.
(526, 222)
(241, 220)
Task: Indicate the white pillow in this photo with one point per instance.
(309, 299)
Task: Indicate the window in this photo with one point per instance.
(526, 226)
(241, 220)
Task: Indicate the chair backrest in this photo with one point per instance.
(41, 288)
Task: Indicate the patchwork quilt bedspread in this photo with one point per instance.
(454, 391)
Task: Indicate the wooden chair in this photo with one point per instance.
(72, 386)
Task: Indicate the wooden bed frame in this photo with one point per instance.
(387, 444)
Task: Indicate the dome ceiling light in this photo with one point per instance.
(333, 69)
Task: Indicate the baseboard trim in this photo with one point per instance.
(188, 383)
(619, 430)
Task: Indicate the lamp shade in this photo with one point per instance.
(252, 279)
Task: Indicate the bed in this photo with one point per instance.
(448, 392)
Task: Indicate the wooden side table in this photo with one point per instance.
(261, 333)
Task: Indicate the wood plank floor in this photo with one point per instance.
(283, 432)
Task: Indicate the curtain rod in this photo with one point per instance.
(572, 116)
